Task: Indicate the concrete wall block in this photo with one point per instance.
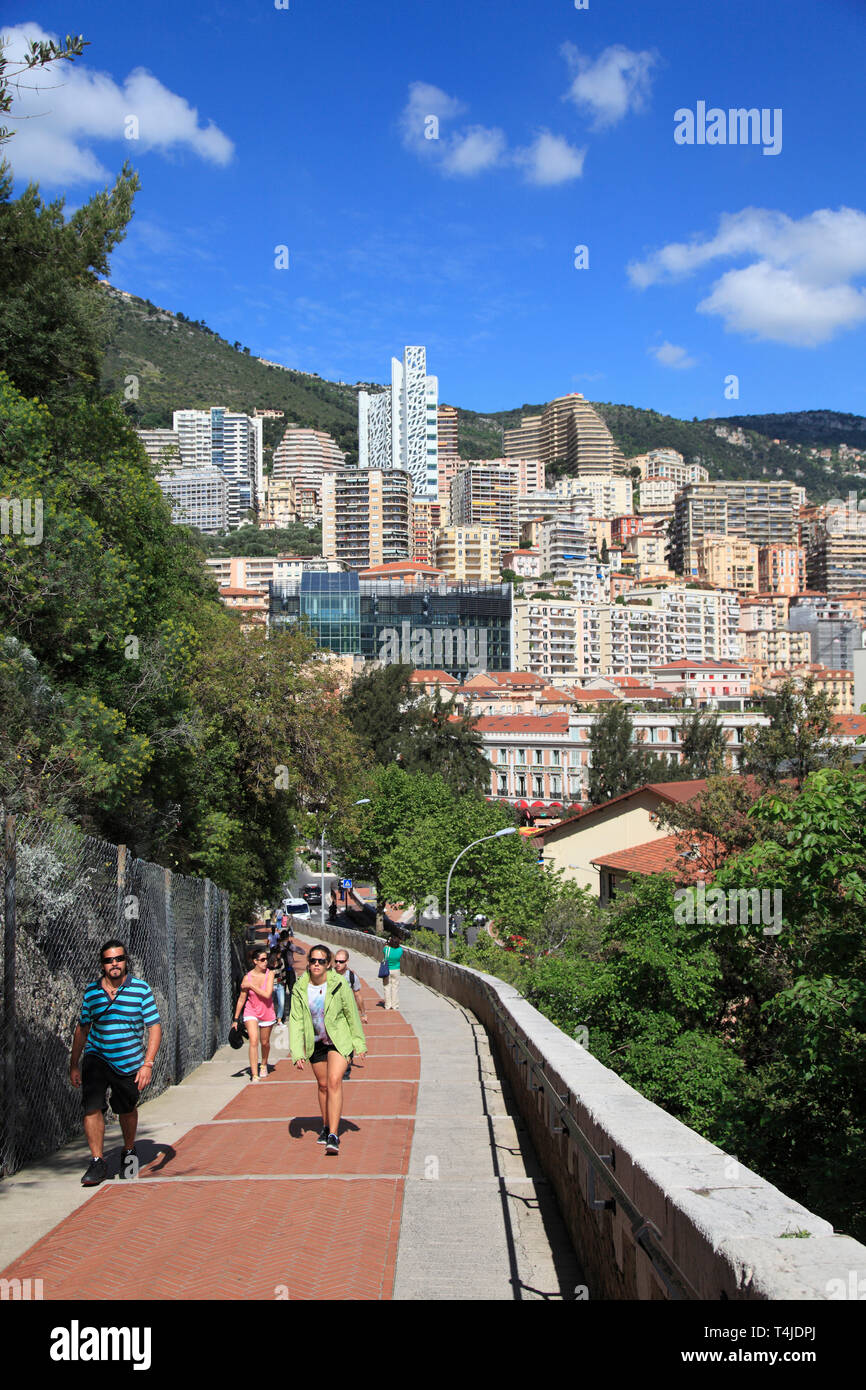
(722, 1225)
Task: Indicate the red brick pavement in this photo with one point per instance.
(204, 1221)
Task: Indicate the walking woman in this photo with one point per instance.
(257, 1001)
(392, 955)
(325, 1028)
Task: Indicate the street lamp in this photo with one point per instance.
(508, 830)
(365, 801)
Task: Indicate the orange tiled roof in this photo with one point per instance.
(523, 724)
(443, 677)
(654, 857)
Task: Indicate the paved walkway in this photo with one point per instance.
(434, 1194)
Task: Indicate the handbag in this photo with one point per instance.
(384, 972)
(237, 1034)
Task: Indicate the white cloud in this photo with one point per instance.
(669, 355)
(796, 289)
(467, 152)
(616, 83)
(474, 150)
(550, 160)
(426, 102)
(59, 111)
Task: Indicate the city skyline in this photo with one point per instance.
(541, 195)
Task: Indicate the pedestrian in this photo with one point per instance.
(392, 956)
(332, 906)
(324, 1027)
(256, 999)
(276, 963)
(274, 935)
(341, 965)
(115, 1011)
(287, 951)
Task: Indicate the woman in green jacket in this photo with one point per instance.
(325, 1028)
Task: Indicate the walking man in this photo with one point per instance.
(341, 965)
(114, 1013)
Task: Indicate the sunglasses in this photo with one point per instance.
(112, 960)
(318, 960)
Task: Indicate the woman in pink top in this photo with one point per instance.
(257, 1000)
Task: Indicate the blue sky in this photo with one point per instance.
(309, 127)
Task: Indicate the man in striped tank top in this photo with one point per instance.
(114, 1013)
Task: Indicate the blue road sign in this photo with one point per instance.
(345, 883)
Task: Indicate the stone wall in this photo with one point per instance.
(688, 1220)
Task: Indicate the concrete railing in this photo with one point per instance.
(654, 1210)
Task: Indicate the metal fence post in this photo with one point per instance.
(120, 918)
(227, 1002)
(207, 974)
(171, 961)
(9, 1136)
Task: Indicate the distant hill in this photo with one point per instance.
(179, 363)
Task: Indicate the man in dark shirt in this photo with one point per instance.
(114, 1013)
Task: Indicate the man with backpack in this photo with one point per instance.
(341, 965)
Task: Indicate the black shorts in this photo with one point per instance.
(321, 1050)
(98, 1079)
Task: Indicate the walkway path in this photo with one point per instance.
(432, 1195)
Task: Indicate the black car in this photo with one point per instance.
(312, 894)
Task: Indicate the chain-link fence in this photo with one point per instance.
(65, 893)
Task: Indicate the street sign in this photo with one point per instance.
(345, 883)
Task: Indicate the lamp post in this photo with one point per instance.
(508, 830)
(365, 801)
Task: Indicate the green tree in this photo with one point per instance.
(51, 325)
(702, 744)
(798, 739)
(40, 53)
(398, 722)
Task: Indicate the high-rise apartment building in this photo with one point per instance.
(446, 417)
(728, 562)
(565, 544)
(302, 456)
(161, 446)
(366, 516)
(524, 441)
(569, 433)
(198, 496)
(486, 494)
(470, 554)
(231, 442)
(836, 555)
(781, 569)
(608, 497)
(398, 427)
(765, 513)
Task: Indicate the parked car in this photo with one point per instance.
(312, 893)
(297, 907)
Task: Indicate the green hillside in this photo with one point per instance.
(184, 365)
(177, 363)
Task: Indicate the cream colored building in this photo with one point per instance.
(609, 497)
(470, 554)
(279, 506)
(777, 648)
(728, 562)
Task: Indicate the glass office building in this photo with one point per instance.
(461, 629)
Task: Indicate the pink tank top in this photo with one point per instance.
(257, 1007)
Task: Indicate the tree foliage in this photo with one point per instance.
(798, 739)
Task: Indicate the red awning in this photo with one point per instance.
(537, 806)
(522, 805)
(554, 804)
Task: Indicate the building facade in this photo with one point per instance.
(398, 427)
(461, 629)
(366, 516)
